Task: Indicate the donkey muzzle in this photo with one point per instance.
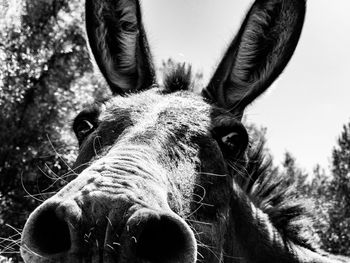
(58, 233)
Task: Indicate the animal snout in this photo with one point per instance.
(49, 230)
(160, 237)
(58, 232)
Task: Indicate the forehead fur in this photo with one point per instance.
(152, 108)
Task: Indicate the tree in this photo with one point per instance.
(339, 212)
(331, 195)
(45, 77)
(295, 175)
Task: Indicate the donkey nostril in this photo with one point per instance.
(50, 234)
(162, 239)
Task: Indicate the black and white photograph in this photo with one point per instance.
(174, 131)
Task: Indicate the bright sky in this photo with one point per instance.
(306, 107)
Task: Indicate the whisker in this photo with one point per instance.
(213, 174)
(97, 139)
(198, 222)
(19, 232)
(28, 193)
(57, 154)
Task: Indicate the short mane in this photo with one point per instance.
(177, 77)
(268, 189)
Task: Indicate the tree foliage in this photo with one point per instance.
(338, 239)
(45, 76)
(296, 176)
(330, 194)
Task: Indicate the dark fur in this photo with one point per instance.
(113, 29)
(266, 187)
(258, 54)
(268, 190)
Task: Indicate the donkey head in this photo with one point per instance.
(163, 174)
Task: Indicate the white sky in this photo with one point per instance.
(305, 109)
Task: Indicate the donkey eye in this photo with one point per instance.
(232, 138)
(83, 129)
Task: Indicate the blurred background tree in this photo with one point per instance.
(46, 77)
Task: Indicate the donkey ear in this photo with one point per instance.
(118, 42)
(258, 54)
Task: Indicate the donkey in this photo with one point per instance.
(165, 175)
